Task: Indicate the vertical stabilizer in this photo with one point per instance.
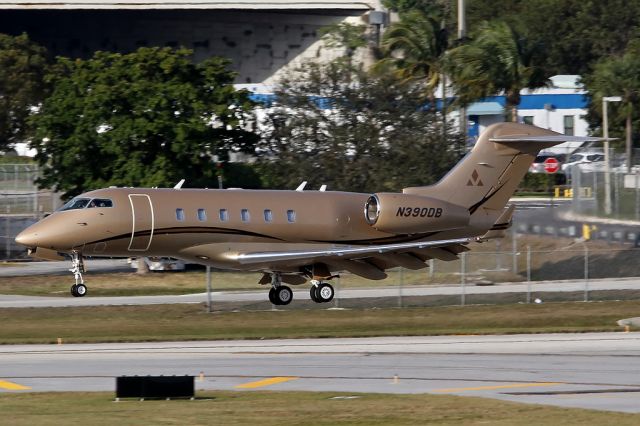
(487, 177)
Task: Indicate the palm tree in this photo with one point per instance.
(414, 48)
(618, 77)
(497, 60)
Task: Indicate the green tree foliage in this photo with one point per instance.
(575, 34)
(351, 37)
(496, 60)
(414, 48)
(23, 64)
(340, 126)
(617, 76)
(148, 118)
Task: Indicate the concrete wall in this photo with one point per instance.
(260, 43)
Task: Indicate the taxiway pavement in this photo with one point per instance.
(302, 293)
(591, 370)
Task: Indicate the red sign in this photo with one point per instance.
(551, 165)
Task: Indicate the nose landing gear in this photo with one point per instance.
(77, 268)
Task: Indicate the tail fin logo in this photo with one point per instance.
(475, 179)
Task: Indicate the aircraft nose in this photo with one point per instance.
(27, 238)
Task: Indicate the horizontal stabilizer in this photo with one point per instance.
(499, 229)
(547, 138)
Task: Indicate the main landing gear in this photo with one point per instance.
(279, 294)
(321, 292)
(78, 289)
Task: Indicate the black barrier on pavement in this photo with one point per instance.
(155, 387)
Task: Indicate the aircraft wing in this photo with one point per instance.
(346, 252)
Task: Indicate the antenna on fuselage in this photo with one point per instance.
(179, 184)
(301, 186)
(323, 188)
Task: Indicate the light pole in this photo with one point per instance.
(607, 162)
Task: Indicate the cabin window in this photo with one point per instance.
(268, 215)
(244, 215)
(100, 202)
(180, 214)
(76, 203)
(202, 215)
(291, 216)
(224, 215)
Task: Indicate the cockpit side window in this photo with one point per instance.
(100, 202)
(76, 203)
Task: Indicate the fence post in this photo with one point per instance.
(7, 233)
(209, 306)
(616, 190)
(401, 278)
(463, 268)
(432, 266)
(514, 250)
(586, 273)
(637, 196)
(528, 273)
(335, 295)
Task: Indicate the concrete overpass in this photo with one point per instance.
(262, 38)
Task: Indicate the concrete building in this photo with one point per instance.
(560, 107)
(262, 38)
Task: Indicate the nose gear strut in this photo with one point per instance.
(77, 268)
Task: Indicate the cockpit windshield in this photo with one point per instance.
(81, 203)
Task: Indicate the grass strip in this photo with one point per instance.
(291, 408)
(192, 322)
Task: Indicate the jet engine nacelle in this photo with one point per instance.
(410, 214)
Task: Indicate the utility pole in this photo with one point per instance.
(462, 33)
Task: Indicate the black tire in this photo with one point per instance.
(73, 291)
(325, 293)
(313, 293)
(81, 290)
(272, 296)
(283, 295)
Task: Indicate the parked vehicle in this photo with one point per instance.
(159, 263)
(587, 161)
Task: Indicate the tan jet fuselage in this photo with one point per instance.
(172, 222)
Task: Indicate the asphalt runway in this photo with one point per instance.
(591, 370)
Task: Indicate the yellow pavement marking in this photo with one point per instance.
(265, 382)
(12, 386)
(519, 385)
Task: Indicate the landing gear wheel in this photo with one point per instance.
(81, 290)
(283, 295)
(313, 292)
(325, 293)
(272, 296)
(78, 290)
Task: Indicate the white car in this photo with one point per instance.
(588, 161)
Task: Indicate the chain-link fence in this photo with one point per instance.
(526, 273)
(21, 204)
(596, 189)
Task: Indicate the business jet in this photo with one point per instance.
(296, 236)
